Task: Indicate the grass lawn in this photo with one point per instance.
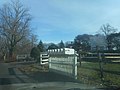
(89, 73)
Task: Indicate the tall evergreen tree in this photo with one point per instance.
(61, 44)
(41, 46)
(35, 53)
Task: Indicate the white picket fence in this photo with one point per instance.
(63, 61)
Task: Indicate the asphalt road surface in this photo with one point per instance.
(13, 79)
(9, 74)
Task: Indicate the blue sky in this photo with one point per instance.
(56, 20)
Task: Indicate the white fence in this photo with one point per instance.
(44, 58)
(63, 61)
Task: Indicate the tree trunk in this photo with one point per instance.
(11, 53)
(80, 59)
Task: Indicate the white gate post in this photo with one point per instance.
(49, 62)
(75, 66)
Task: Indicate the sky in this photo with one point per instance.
(56, 20)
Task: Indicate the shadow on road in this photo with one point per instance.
(49, 77)
(16, 79)
(5, 81)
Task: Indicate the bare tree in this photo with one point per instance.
(14, 24)
(107, 30)
(23, 47)
(95, 44)
(33, 39)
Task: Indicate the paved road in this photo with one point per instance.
(9, 74)
(13, 79)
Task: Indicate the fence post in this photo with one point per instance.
(75, 66)
(49, 62)
(105, 61)
(100, 66)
